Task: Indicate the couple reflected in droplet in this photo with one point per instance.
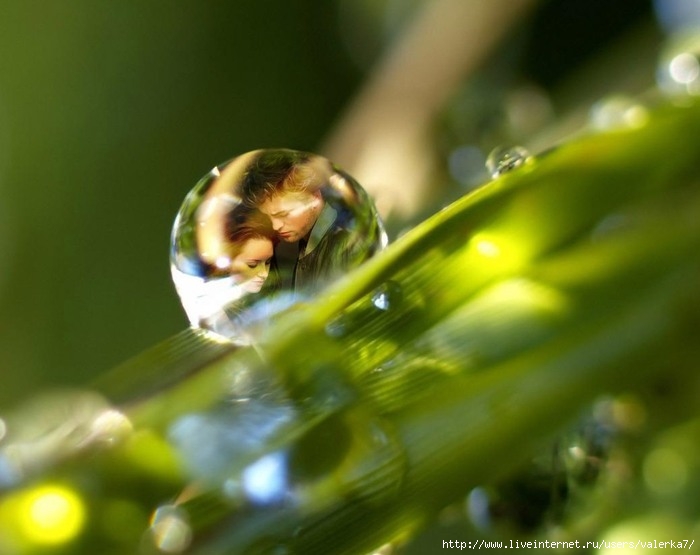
(266, 222)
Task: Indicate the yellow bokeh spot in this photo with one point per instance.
(50, 514)
(487, 248)
(497, 252)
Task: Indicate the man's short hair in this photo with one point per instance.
(281, 171)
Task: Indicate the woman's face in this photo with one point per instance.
(252, 264)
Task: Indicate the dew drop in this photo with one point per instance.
(478, 508)
(170, 530)
(387, 296)
(261, 225)
(618, 112)
(110, 426)
(609, 225)
(678, 72)
(504, 159)
(337, 327)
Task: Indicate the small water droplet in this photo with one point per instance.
(678, 72)
(379, 436)
(337, 327)
(110, 426)
(170, 530)
(504, 159)
(387, 296)
(477, 507)
(265, 222)
(617, 112)
(609, 225)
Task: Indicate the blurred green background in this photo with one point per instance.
(111, 111)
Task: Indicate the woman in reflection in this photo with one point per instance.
(252, 249)
(235, 246)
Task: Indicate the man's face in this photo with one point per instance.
(293, 214)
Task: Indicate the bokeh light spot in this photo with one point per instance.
(497, 251)
(51, 515)
(170, 530)
(487, 248)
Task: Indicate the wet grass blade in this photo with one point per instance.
(438, 365)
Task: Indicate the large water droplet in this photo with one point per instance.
(504, 159)
(266, 222)
(678, 73)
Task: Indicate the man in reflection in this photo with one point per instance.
(313, 206)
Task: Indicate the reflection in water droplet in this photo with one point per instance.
(618, 112)
(170, 530)
(387, 296)
(267, 221)
(678, 72)
(504, 159)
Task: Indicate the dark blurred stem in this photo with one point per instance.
(384, 138)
